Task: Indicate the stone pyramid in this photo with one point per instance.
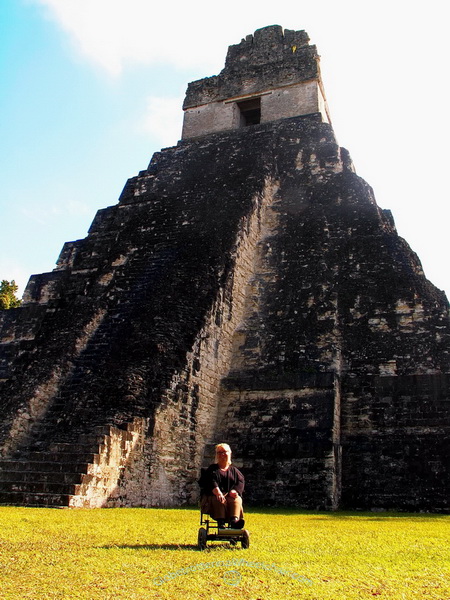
(247, 289)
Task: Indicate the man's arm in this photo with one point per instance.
(239, 481)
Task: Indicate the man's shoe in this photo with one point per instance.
(236, 523)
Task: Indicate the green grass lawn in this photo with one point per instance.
(137, 554)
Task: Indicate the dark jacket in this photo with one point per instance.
(212, 477)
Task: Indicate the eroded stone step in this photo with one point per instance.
(40, 476)
(67, 448)
(34, 499)
(82, 445)
(46, 467)
(63, 457)
(37, 487)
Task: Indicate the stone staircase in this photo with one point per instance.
(83, 474)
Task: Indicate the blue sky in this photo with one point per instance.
(91, 88)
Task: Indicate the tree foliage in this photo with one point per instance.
(8, 297)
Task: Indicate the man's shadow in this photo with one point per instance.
(151, 546)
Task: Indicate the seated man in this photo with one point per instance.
(222, 486)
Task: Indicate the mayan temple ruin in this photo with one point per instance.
(247, 289)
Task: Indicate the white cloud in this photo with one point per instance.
(35, 214)
(46, 213)
(114, 32)
(164, 119)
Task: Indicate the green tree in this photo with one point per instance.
(8, 297)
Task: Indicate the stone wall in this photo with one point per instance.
(282, 103)
(267, 60)
(278, 67)
(395, 440)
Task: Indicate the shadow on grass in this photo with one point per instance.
(288, 511)
(150, 547)
(376, 515)
(218, 546)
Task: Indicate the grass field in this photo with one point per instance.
(137, 554)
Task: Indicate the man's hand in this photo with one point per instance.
(218, 494)
(233, 494)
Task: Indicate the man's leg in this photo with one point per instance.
(234, 508)
(217, 510)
